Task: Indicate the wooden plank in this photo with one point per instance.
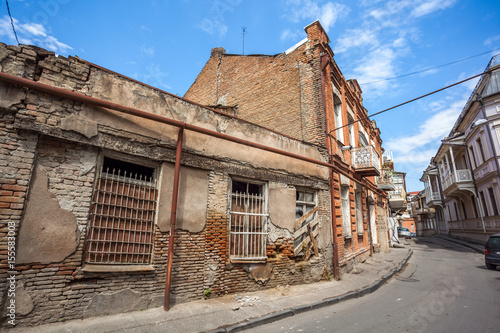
(313, 241)
(300, 231)
(305, 217)
(306, 240)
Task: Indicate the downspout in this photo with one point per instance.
(173, 219)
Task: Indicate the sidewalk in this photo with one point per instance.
(233, 313)
(476, 247)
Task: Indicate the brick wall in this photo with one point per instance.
(31, 138)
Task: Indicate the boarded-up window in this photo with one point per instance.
(306, 211)
(248, 221)
(121, 222)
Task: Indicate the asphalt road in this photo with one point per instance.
(444, 288)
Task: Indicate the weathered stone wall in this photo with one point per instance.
(50, 148)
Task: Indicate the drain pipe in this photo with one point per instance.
(173, 219)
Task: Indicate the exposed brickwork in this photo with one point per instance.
(31, 136)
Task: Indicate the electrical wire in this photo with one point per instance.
(12, 21)
(412, 100)
(428, 69)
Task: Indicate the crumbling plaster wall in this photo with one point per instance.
(42, 134)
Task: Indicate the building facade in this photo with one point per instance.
(462, 181)
(303, 93)
(90, 164)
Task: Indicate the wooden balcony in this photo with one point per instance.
(366, 161)
(458, 181)
(397, 199)
(433, 199)
(385, 181)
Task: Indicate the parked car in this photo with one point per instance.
(404, 232)
(492, 252)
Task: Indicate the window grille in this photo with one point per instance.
(248, 221)
(121, 222)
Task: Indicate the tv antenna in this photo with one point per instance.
(244, 29)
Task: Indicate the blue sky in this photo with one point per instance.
(165, 43)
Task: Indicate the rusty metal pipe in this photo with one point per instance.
(173, 219)
(12, 79)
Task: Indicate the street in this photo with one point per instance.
(444, 288)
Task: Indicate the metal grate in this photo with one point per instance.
(121, 227)
(248, 226)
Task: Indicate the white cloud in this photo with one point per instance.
(287, 34)
(356, 38)
(327, 13)
(154, 76)
(375, 66)
(213, 27)
(430, 6)
(150, 51)
(431, 130)
(32, 33)
(491, 40)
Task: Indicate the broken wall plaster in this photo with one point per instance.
(50, 230)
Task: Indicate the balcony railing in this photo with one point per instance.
(395, 195)
(366, 161)
(434, 196)
(462, 176)
(385, 181)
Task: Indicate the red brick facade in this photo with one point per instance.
(293, 93)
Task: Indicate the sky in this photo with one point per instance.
(397, 50)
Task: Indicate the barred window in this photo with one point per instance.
(248, 221)
(122, 214)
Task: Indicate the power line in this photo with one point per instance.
(12, 21)
(427, 69)
(412, 100)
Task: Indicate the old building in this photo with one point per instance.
(302, 93)
(462, 180)
(90, 163)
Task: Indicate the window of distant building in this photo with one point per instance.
(337, 109)
(350, 121)
(464, 210)
(473, 200)
(362, 139)
(359, 212)
(473, 157)
(493, 201)
(481, 150)
(485, 207)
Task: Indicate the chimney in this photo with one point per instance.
(217, 51)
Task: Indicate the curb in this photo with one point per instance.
(461, 243)
(271, 317)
